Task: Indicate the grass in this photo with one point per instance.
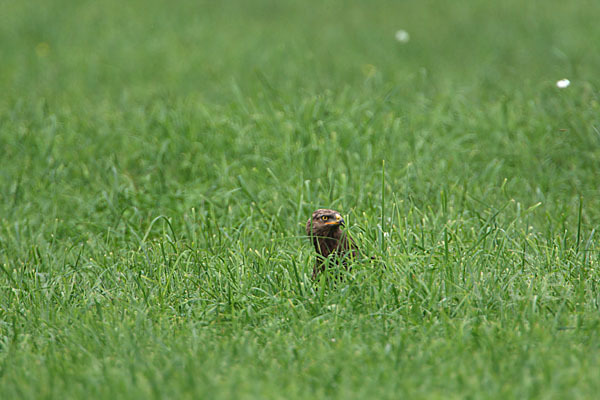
(158, 164)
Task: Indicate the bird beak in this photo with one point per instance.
(338, 221)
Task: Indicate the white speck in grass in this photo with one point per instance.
(388, 348)
(333, 339)
(402, 36)
(563, 83)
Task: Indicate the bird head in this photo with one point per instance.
(323, 222)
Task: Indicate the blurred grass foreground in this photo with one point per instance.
(158, 162)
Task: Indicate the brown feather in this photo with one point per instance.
(328, 238)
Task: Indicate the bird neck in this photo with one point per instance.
(325, 245)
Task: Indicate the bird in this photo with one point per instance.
(324, 230)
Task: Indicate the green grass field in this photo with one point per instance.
(158, 162)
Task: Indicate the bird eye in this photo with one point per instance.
(324, 217)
